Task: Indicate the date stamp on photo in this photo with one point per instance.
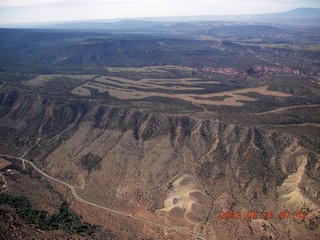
(263, 215)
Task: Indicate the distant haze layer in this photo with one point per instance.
(20, 11)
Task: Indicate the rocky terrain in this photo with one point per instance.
(177, 170)
(207, 135)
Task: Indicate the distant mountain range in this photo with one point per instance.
(298, 16)
(305, 12)
(309, 16)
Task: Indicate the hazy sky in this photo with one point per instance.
(20, 11)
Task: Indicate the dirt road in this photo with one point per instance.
(74, 193)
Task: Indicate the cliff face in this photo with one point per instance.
(180, 170)
(30, 117)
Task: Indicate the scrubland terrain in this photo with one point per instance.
(128, 136)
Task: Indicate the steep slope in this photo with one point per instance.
(172, 169)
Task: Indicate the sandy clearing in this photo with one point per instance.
(142, 69)
(81, 91)
(154, 81)
(186, 199)
(262, 90)
(290, 190)
(142, 84)
(120, 91)
(234, 99)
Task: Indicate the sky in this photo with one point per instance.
(27, 11)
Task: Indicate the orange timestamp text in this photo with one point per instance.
(264, 215)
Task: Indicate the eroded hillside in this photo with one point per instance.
(165, 130)
(173, 169)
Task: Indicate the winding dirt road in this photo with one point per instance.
(21, 158)
(4, 181)
(74, 193)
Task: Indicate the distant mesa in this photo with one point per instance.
(306, 12)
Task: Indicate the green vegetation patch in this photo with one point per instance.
(91, 162)
(42, 79)
(57, 84)
(64, 220)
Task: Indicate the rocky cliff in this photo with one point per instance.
(179, 170)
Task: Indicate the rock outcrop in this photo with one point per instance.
(166, 167)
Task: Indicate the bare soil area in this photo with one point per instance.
(4, 163)
(125, 89)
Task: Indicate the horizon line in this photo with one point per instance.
(144, 18)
